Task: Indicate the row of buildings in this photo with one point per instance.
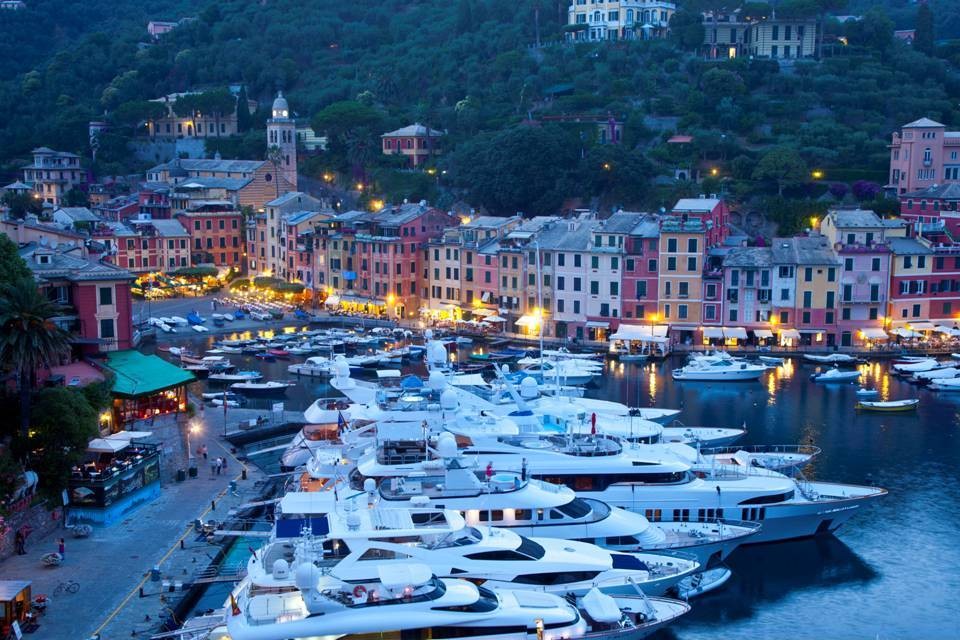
(727, 34)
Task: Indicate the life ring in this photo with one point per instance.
(359, 591)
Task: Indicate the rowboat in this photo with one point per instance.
(889, 405)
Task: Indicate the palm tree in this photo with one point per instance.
(29, 339)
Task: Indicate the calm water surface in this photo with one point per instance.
(892, 572)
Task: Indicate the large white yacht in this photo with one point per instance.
(353, 539)
(409, 602)
(718, 367)
(656, 480)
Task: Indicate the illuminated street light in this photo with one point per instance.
(816, 174)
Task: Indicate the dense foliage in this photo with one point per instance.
(467, 68)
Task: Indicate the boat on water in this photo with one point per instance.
(703, 582)
(945, 384)
(920, 366)
(237, 376)
(718, 370)
(864, 392)
(269, 388)
(835, 374)
(831, 358)
(195, 318)
(770, 360)
(199, 328)
(889, 406)
(219, 402)
(410, 602)
(778, 457)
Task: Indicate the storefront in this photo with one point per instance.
(145, 387)
(15, 598)
(118, 473)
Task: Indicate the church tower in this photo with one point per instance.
(282, 143)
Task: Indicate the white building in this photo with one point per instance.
(619, 19)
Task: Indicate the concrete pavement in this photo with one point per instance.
(113, 563)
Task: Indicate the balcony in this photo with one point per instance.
(932, 227)
(876, 247)
(713, 274)
(862, 299)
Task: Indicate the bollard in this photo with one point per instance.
(182, 546)
(243, 474)
(213, 505)
(155, 573)
(141, 593)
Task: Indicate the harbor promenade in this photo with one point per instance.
(115, 562)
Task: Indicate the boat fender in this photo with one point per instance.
(359, 591)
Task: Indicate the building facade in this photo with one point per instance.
(53, 173)
(416, 142)
(594, 20)
(923, 154)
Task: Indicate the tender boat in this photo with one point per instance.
(836, 375)
(770, 360)
(945, 384)
(701, 583)
(195, 318)
(262, 388)
(719, 370)
(219, 402)
(832, 358)
(239, 376)
(889, 405)
(918, 367)
(865, 393)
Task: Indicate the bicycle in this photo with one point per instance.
(70, 586)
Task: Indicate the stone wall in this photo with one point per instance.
(39, 518)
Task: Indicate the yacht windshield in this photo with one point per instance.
(576, 509)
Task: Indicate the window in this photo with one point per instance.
(691, 264)
(831, 275)
(577, 262)
(614, 263)
(576, 284)
(594, 288)
(576, 306)
(671, 245)
(710, 312)
(682, 311)
(594, 262)
(683, 289)
(784, 294)
(805, 317)
(784, 317)
(808, 274)
(875, 264)
(106, 329)
(652, 266)
(921, 262)
(614, 288)
(641, 289)
(630, 264)
(559, 306)
(605, 310)
(848, 264)
(106, 296)
(807, 299)
(671, 264)
(733, 315)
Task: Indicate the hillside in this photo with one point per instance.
(467, 67)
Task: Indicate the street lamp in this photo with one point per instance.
(816, 174)
(193, 428)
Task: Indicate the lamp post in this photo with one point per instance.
(193, 428)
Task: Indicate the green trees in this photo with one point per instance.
(783, 166)
(686, 30)
(29, 339)
(923, 40)
(63, 422)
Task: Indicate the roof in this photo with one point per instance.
(803, 250)
(10, 588)
(40, 150)
(297, 217)
(704, 205)
(854, 218)
(621, 222)
(950, 191)
(922, 123)
(230, 184)
(749, 257)
(908, 246)
(568, 235)
(400, 214)
(291, 196)
(208, 164)
(168, 227)
(415, 129)
(17, 186)
(77, 214)
(488, 222)
(63, 266)
(138, 374)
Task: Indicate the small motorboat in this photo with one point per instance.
(199, 328)
(279, 353)
(238, 315)
(262, 388)
(195, 318)
(836, 375)
(219, 402)
(700, 583)
(229, 395)
(832, 358)
(771, 360)
(945, 384)
(239, 376)
(889, 405)
(864, 392)
(178, 320)
(266, 356)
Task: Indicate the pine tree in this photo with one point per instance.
(923, 40)
(243, 111)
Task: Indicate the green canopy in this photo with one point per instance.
(140, 375)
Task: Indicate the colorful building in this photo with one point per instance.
(923, 154)
(618, 19)
(53, 173)
(416, 142)
(216, 233)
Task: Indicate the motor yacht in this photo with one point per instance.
(359, 537)
(658, 481)
(832, 358)
(834, 374)
(719, 370)
(410, 602)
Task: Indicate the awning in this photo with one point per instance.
(763, 333)
(526, 321)
(482, 312)
(597, 324)
(632, 332)
(332, 301)
(104, 445)
(712, 332)
(874, 333)
(789, 334)
(903, 332)
(494, 319)
(737, 333)
(922, 326)
(127, 436)
(140, 375)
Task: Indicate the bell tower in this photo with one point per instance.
(282, 144)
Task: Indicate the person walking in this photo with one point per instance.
(62, 548)
(20, 542)
(219, 465)
(203, 451)
(213, 468)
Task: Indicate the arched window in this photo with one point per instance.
(596, 16)
(629, 16)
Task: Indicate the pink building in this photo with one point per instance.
(934, 211)
(640, 271)
(922, 155)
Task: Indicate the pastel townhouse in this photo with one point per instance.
(748, 282)
(911, 282)
(566, 243)
(639, 278)
(269, 241)
(216, 234)
(479, 239)
(944, 286)
(53, 173)
(805, 277)
(934, 211)
(535, 296)
(442, 257)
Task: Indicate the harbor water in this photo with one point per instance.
(891, 572)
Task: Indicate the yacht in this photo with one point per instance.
(834, 374)
(832, 358)
(658, 481)
(410, 602)
(359, 537)
(718, 370)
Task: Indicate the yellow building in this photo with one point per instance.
(590, 20)
(680, 281)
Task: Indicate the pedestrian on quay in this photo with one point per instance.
(213, 468)
(20, 542)
(62, 548)
(203, 451)
(219, 465)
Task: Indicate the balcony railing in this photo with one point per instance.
(861, 299)
(876, 247)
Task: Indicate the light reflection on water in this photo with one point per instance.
(891, 572)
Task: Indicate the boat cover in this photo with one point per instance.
(601, 607)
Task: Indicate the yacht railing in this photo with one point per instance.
(724, 529)
(802, 449)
